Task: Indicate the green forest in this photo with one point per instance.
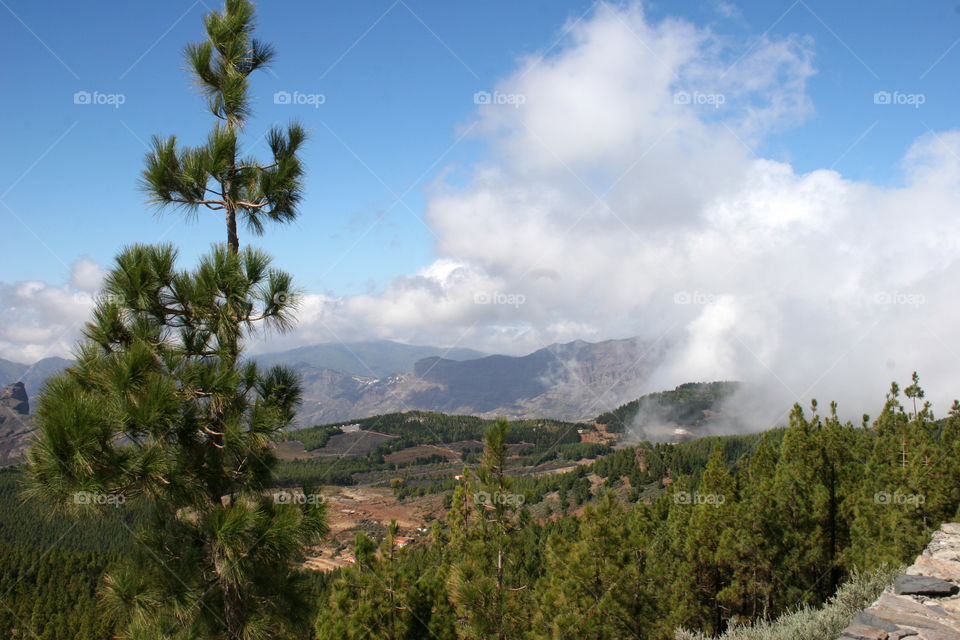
(728, 530)
(684, 406)
(732, 538)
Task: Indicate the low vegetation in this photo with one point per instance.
(813, 623)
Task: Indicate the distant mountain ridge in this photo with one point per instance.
(572, 381)
(32, 375)
(374, 358)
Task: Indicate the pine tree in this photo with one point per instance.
(479, 583)
(891, 521)
(672, 566)
(595, 583)
(160, 409)
(750, 548)
(214, 176)
(366, 601)
(155, 412)
(712, 522)
(804, 559)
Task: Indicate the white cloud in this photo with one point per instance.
(620, 198)
(39, 320)
(623, 182)
(86, 275)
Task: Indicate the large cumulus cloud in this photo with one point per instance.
(620, 196)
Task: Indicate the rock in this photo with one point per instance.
(15, 423)
(912, 585)
(936, 568)
(14, 397)
(870, 620)
(863, 632)
(923, 603)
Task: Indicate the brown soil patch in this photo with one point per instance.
(368, 509)
(422, 451)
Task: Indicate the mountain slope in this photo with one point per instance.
(377, 358)
(666, 415)
(32, 375)
(571, 381)
(15, 423)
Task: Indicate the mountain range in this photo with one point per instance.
(574, 381)
(31, 375)
(376, 358)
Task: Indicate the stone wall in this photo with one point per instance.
(924, 602)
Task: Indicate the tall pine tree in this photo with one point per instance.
(160, 408)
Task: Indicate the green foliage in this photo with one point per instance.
(751, 529)
(768, 535)
(314, 438)
(30, 522)
(425, 427)
(51, 593)
(593, 584)
(213, 175)
(161, 412)
(157, 383)
(685, 406)
(484, 580)
(809, 623)
(546, 440)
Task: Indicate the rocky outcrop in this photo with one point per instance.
(924, 602)
(32, 375)
(14, 397)
(15, 423)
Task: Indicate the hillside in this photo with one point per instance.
(375, 358)
(32, 375)
(664, 415)
(15, 422)
(573, 381)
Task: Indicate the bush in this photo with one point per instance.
(824, 623)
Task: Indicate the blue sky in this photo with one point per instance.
(398, 80)
(766, 188)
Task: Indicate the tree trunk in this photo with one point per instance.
(233, 612)
(233, 241)
(501, 631)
